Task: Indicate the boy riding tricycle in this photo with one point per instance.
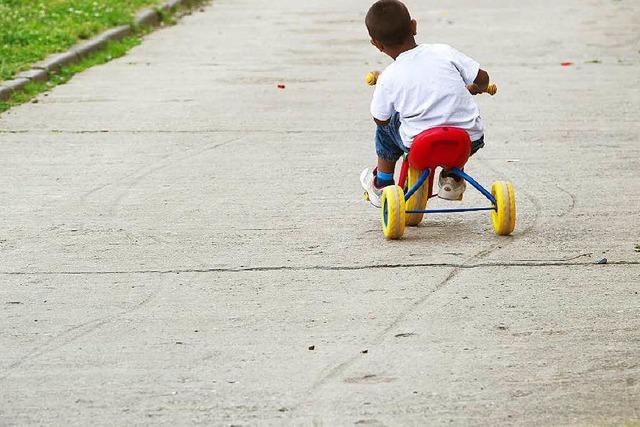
(424, 112)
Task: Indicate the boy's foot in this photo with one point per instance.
(451, 188)
(368, 181)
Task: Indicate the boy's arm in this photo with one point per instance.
(382, 102)
(480, 83)
(475, 78)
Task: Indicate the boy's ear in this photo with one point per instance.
(414, 27)
(377, 44)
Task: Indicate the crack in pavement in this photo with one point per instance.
(324, 268)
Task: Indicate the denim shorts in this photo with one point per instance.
(389, 145)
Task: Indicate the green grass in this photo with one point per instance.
(30, 30)
(111, 51)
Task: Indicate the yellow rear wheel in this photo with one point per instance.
(418, 200)
(504, 217)
(392, 212)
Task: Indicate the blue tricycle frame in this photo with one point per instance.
(461, 174)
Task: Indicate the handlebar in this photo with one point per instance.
(372, 77)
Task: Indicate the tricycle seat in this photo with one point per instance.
(447, 147)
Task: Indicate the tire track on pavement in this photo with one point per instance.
(78, 331)
(146, 171)
(138, 176)
(74, 333)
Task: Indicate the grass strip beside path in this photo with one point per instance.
(30, 30)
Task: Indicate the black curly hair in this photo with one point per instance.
(389, 22)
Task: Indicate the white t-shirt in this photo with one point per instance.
(427, 87)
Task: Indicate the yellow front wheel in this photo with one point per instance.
(392, 212)
(418, 200)
(504, 217)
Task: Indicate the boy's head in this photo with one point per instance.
(390, 24)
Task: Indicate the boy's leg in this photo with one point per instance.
(452, 186)
(384, 172)
(389, 148)
(476, 145)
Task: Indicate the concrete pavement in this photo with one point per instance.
(177, 232)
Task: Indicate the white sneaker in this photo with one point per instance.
(450, 188)
(371, 192)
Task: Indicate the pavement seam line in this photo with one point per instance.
(323, 268)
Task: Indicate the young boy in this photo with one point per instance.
(427, 85)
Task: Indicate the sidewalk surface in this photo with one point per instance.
(176, 231)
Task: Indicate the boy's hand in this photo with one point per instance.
(474, 89)
(480, 84)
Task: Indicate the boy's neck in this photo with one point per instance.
(396, 51)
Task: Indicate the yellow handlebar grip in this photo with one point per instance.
(492, 89)
(371, 78)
